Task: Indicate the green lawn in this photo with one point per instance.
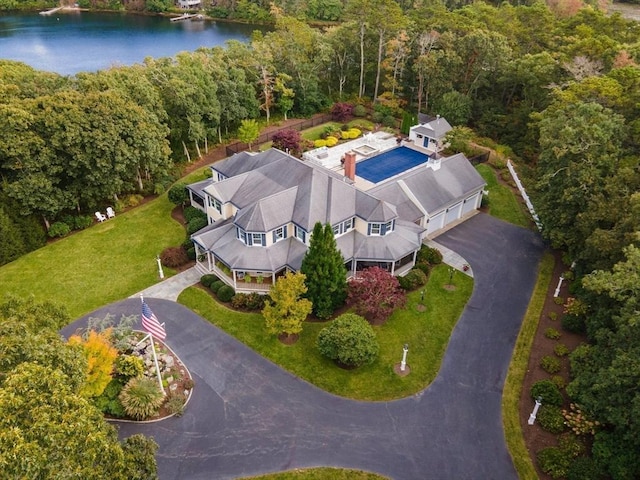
(517, 370)
(427, 334)
(100, 265)
(320, 474)
(503, 203)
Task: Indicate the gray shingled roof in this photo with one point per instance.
(435, 128)
(406, 238)
(436, 189)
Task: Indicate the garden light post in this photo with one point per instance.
(422, 296)
(403, 363)
(160, 272)
(532, 417)
(451, 272)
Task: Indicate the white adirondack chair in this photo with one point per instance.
(110, 212)
(100, 217)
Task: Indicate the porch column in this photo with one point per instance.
(393, 267)
(235, 284)
(273, 278)
(209, 260)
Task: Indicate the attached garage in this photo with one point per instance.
(436, 222)
(453, 213)
(471, 203)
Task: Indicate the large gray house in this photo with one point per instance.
(262, 208)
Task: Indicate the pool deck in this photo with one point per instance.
(330, 157)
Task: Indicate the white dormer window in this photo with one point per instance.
(280, 234)
(221, 177)
(376, 228)
(252, 239)
(300, 233)
(215, 203)
(344, 227)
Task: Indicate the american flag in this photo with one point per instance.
(151, 324)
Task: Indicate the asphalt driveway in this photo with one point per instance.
(247, 416)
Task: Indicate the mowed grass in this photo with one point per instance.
(321, 474)
(427, 334)
(503, 203)
(517, 371)
(100, 265)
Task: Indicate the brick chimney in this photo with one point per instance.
(350, 165)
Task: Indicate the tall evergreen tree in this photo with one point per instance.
(326, 274)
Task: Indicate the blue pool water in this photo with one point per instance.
(389, 164)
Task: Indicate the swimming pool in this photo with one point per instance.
(389, 164)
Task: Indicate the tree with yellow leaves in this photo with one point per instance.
(101, 356)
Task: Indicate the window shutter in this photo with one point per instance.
(284, 232)
(264, 239)
(368, 229)
(249, 239)
(383, 228)
(274, 236)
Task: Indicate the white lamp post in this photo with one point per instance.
(532, 417)
(403, 363)
(160, 272)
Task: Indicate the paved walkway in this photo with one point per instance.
(247, 416)
(170, 288)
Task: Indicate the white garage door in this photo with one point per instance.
(453, 213)
(435, 223)
(469, 204)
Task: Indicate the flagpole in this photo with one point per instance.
(155, 357)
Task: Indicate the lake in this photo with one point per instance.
(69, 42)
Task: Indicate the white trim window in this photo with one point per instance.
(252, 239)
(215, 203)
(300, 233)
(344, 227)
(280, 234)
(380, 229)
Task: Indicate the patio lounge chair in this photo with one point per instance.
(100, 217)
(110, 212)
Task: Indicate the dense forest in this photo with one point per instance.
(558, 86)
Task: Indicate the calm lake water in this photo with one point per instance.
(72, 42)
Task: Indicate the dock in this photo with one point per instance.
(51, 12)
(187, 16)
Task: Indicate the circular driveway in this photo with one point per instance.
(247, 416)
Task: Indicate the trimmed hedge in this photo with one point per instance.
(549, 392)
(208, 279)
(349, 340)
(413, 279)
(225, 293)
(551, 419)
(216, 285)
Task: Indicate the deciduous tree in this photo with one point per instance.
(375, 294)
(286, 310)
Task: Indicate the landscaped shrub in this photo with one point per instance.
(553, 316)
(349, 340)
(424, 267)
(359, 111)
(129, 366)
(552, 333)
(432, 256)
(59, 229)
(319, 143)
(573, 323)
(191, 252)
(550, 418)
(549, 392)
(561, 350)
(571, 445)
(332, 141)
(550, 364)
(248, 301)
(141, 397)
(341, 111)
(108, 402)
(216, 285)
(178, 194)
(559, 381)
(554, 461)
(82, 221)
(133, 200)
(192, 212)
(558, 301)
(413, 279)
(579, 422)
(173, 257)
(175, 404)
(225, 293)
(208, 279)
(196, 224)
(389, 121)
(584, 468)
